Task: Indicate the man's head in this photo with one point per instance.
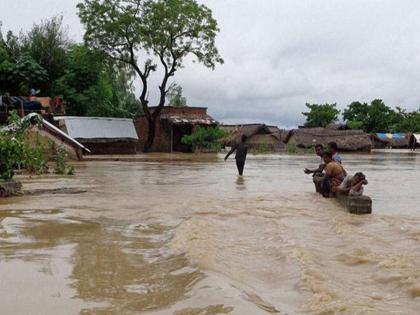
(318, 149)
(327, 156)
(358, 177)
(243, 138)
(332, 146)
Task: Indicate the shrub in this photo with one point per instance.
(205, 138)
(14, 153)
(292, 148)
(61, 166)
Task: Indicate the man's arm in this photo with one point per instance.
(359, 185)
(320, 169)
(230, 152)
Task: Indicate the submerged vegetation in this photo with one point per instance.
(61, 166)
(16, 154)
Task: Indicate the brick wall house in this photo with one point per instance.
(172, 125)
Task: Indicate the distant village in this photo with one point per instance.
(81, 136)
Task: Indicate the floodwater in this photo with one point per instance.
(188, 237)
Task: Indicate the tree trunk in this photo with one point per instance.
(150, 134)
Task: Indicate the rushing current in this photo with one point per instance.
(184, 235)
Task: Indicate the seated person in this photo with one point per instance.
(318, 151)
(353, 185)
(334, 175)
(317, 173)
(333, 147)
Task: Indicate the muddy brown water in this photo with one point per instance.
(188, 237)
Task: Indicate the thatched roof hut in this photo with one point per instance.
(347, 140)
(259, 136)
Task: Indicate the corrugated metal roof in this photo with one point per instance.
(194, 121)
(99, 127)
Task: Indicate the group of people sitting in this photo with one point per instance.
(331, 178)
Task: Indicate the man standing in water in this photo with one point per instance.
(240, 156)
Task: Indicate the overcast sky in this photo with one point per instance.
(280, 54)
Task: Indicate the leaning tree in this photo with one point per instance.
(144, 33)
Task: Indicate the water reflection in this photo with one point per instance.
(240, 183)
(122, 268)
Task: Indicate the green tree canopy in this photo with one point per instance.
(373, 117)
(321, 115)
(175, 96)
(137, 32)
(93, 86)
(47, 43)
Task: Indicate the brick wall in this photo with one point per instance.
(162, 142)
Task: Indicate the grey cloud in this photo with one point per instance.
(280, 54)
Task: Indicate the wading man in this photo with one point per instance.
(240, 156)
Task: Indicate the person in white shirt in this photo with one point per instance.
(353, 185)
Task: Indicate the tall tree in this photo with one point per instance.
(136, 31)
(47, 43)
(18, 70)
(321, 115)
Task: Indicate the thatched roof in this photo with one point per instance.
(347, 140)
(236, 131)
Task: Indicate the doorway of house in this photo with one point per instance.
(178, 131)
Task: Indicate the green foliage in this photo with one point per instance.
(25, 73)
(373, 117)
(321, 115)
(168, 29)
(92, 86)
(355, 124)
(44, 59)
(61, 166)
(47, 44)
(292, 148)
(407, 122)
(205, 138)
(14, 153)
(175, 96)
(34, 161)
(142, 33)
(34, 59)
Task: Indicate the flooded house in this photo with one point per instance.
(101, 135)
(347, 140)
(390, 140)
(172, 124)
(43, 135)
(260, 137)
